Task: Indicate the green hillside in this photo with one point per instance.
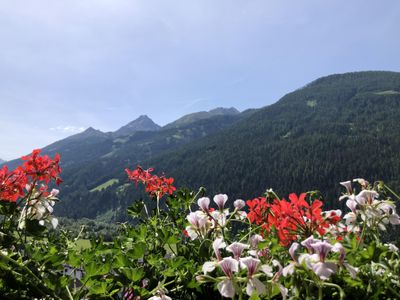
(336, 128)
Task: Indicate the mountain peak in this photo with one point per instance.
(2, 161)
(142, 123)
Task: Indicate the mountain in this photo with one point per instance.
(190, 118)
(336, 128)
(143, 123)
(2, 161)
(94, 161)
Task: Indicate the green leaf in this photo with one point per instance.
(133, 274)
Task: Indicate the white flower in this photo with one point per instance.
(209, 266)
(160, 297)
(220, 200)
(392, 247)
(351, 219)
(352, 270)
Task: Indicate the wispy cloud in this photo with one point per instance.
(68, 129)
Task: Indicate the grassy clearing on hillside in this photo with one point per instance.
(105, 185)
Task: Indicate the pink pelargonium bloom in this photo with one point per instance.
(197, 219)
(308, 241)
(220, 200)
(338, 247)
(292, 250)
(366, 197)
(352, 204)
(255, 240)
(220, 217)
(347, 185)
(226, 288)
(322, 248)
(364, 184)
(251, 264)
(254, 284)
(237, 249)
(239, 204)
(218, 244)
(203, 203)
(324, 269)
(54, 193)
(229, 265)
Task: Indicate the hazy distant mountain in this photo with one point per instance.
(190, 118)
(143, 123)
(2, 161)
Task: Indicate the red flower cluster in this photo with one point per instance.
(35, 168)
(292, 219)
(155, 185)
(12, 184)
(42, 168)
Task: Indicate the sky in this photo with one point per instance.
(67, 65)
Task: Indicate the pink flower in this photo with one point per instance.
(229, 265)
(220, 200)
(322, 248)
(338, 247)
(239, 204)
(254, 284)
(347, 185)
(324, 269)
(255, 239)
(203, 203)
(218, 244)
(366, 197)
(237, 249)
(308, 241)
(251, 264)
(352, 204)
(197, 219)
(293, 248)
(226, 288)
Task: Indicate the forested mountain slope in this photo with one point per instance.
(336, 128)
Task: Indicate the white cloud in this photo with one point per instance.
(68, 129)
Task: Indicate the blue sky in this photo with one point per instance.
(67, 65)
